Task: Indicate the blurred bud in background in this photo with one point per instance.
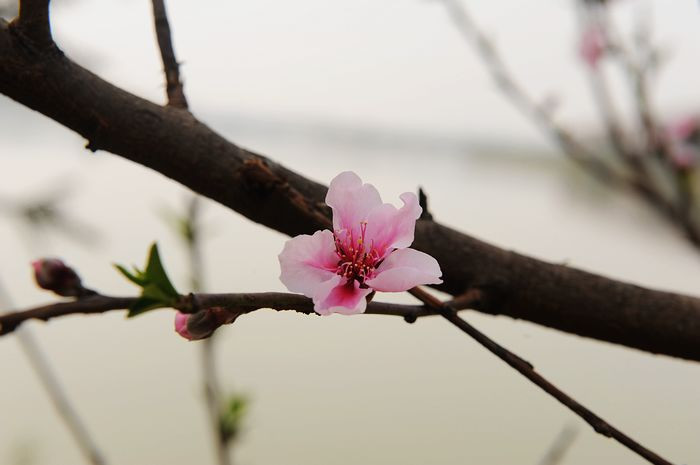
(683, 142)
(54, 275)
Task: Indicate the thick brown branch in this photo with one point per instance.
(236, 303)
(174, 88)
(177, 145)
(526, 369)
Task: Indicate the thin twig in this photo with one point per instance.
(593, 15)
(171, 67)
(236, 303)
(526, 369)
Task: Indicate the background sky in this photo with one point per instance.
(307, 83)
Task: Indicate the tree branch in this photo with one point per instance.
(526, 369)
(174, 88)
(33, 22)
(192, 303)
(180, 147)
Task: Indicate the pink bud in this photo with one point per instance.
(202, 324)
(181, 325)
(54, 275)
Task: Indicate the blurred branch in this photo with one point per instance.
(43, 369)
(514, 91)
(526, 369)
(636, 178)
(45, 212)
(189, 231)
(560, 446)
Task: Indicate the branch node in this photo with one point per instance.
(410, 317)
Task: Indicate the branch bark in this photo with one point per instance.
(235, 303)
(176, 144)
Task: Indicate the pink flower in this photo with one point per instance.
(367, 250)
(592, 45)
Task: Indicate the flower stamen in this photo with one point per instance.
(356, 261)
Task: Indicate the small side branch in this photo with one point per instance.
(174, 88)
(235, 303)
(526, 369)
(33, 22)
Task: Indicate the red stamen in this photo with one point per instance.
(355, 260)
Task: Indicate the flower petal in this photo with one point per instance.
(404, 269)
(351, 201)
(389, 228)
(338, 295)
(307, 261)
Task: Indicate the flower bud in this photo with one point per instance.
(202, 324)
(181, 325)
(54, 275)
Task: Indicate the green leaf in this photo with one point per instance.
(156, 289)
(156, 273)
(134, 278)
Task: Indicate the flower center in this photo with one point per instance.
(356, 259)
